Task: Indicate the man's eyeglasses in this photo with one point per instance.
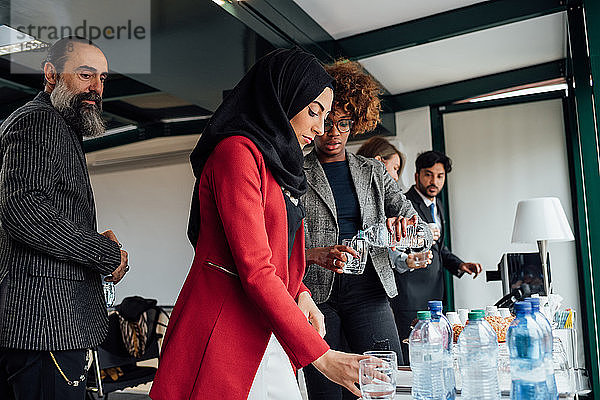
(342, 125)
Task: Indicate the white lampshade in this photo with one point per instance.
(541, 219)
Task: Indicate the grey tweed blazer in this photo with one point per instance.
(379, 197)
(51, 256)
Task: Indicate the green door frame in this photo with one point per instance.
(582, 65)
(439, 144)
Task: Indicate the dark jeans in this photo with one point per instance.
(404, 318)
(32, 375)
(357, 313)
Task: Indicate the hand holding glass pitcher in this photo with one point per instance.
(399, 234)
(403, 235)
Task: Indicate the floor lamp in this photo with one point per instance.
(541, 220)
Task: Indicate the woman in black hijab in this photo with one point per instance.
(241, 316)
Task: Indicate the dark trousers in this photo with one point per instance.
(404, 319)
(32, 375)
(358, 318)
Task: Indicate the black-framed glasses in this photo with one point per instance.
(342, 125)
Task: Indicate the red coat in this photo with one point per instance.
(221, 323)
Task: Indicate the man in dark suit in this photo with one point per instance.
(417, 286)
(52, 259)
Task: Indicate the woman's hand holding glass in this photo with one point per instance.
(341, 368)
(378, 378)
(330, 257)
(356, 265)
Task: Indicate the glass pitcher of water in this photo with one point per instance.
(416, 239)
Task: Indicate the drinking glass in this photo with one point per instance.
(564, 375)
(356, 265)
(453, 318)
(504, 312)
(421, 258)
(433, 227)
(109, 292)
(387, 355)
(492, 311)
(377, 379)
(504, 377)
(419, 241)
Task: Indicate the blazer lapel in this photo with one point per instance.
(78, 149)
(440, 208)
(420, 206)
(425, 212)
(81, 156)
(361, 174)
(315, 177)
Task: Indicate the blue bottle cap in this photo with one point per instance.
(523, 307)
(535, 303)
(435, 305)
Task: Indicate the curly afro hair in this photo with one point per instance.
(357, 93)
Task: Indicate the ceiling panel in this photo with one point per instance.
(156, 100)
(341, 18)
(485, 52)
(146, 148)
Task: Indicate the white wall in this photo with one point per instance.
(502, 155)
(413, 136)
(148, 208)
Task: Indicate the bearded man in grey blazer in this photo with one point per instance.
(52, 259)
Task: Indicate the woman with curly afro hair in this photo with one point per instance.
(347, 193)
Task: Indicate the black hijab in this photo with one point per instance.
(260, 107)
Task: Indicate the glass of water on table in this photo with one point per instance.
(377, 379)
(356, 265)
(387, 355)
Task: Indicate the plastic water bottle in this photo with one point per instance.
(437, 318)
(478, 358)
(485, 323)
(426, 354)
(547, 345)
(492, 311)
(525, 344)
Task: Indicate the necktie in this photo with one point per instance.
(432, 210)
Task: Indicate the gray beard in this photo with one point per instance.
(85, 119)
